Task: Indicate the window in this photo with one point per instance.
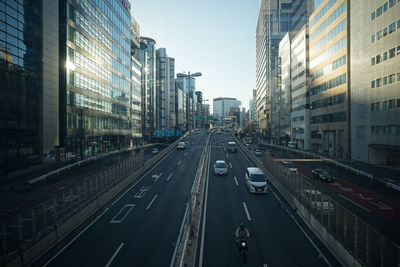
(385, 7)
(373, 107)
(392, 27)
(385, 80)
(391, 103)
(378, 59)
(379, 82)
(373, 84)
(379, 11)
(373, 61)
(392, 3)
(398, 50)
(392, 52)
(391, 78)
(385, 31)
(398, 76)
(398, 103)
(373, 38)
(379, 35)
(398, 24)
(373, 15)
(384, 105)
(384, 56)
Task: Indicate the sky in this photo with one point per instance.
(216, 38)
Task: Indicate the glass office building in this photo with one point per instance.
(95, 76)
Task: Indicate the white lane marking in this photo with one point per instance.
(230, 164)
(129, 189)
(226, 154)
(237, 184)
(142, 191)
(367, 210)
(151, 202)
(247, 212)
(179, 162)
(156, 177)
(265, 265)
(204, 215)
(76, 237)
(185, 154)
(169, 176)
(114, 255)
(130, 206)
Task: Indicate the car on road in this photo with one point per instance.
(220, 168)
(290, 166)
(322, 175)
(219, 131)
(257, 152)
(232, 147)
(181, 145)
(315, 200)
(292, 145)
(154, 151)
(256, 181)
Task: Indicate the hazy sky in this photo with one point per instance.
(215, 37)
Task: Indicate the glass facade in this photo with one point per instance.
(20, 84)
(96, 76)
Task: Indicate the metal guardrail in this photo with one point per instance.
(353, 241)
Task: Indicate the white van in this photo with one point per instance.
(256, 181)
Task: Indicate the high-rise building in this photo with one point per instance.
(222, 106)
(165, 91)
(188, 87)
(147, 57)
(275, 19)
(199, 110)
(329, 90)
(29, 122)
(253, 107)
(299, 116)
(375, 81)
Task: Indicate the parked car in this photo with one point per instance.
(232, 147)
(257, 152)
(154, 151)
(317, 202)
(322, 175)
(181, 145)
(220, 168)
(290, 166)
(256, 181)
(292, 144)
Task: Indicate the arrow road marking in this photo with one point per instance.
(155, 176)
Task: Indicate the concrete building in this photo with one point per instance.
(253, 107)
(165, 91)
(300, 80)
(188, 87)
(29, 90)
(200, 121)
(329, 91)
(222, 106)
(375, 81)
(275, 19)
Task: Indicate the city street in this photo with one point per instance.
(141, 226)
(277, 236)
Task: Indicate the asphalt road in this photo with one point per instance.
(278, 238)
(141, 226)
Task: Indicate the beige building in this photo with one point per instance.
(375, 84)
(329, 90)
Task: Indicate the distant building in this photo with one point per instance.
(375, 81)
(188, 87)
(253, 107)
(222, 106)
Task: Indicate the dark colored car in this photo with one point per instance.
(322, 175)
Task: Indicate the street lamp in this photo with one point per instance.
(189, 75)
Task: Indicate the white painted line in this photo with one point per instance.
(130, 206)
(237, 184)
(226, 154)
(185, 154)
(151, 202)
(169, 176)
(247, 212)
(179, 162)
(367, 210)
(142, 177)
(230, 164)
(265, 265)
(114, 255)
(76, 237)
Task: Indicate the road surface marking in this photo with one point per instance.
(76, 237)
(237, 184)
(151, 202)
(247, 212)
(226, 154)
(230, 164)
(185, 154)
(142, 191)
(114, 255)
(381, 205)
(129, 206)
(179, 162)
(169, 176)
(265, 265)
(156, 176)
(362, 197)
(354, 203)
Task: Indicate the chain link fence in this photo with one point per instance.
(366, 244)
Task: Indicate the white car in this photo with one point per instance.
(290, 166)
(292, 145)
(181, 145)
(316, 201)
(154, 151)
(258, 153)
(256, 181)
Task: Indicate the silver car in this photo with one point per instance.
(220, 168)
